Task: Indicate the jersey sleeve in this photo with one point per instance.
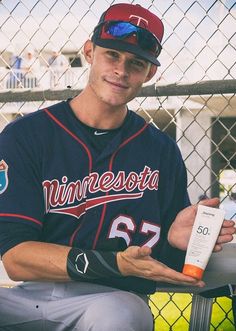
(21, 195)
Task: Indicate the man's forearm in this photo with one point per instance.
(50, 262)
(37, 261)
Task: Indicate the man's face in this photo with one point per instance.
(115, 76)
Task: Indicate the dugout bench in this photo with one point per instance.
(220, 271)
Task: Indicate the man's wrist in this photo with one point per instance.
(120, 263)
(88, 265)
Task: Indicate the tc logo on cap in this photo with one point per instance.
(139, 22)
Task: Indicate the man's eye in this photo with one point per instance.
(113, 54)
(138, 63)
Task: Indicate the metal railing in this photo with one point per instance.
(46, 78)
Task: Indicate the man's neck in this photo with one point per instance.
(95, 113)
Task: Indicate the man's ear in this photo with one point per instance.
(152, 71)
(88, 51)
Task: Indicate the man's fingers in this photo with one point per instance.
(229, 223)
(197, 283)
(138, 252)
(224, 239)
(226, 233)
(174, 277)
(213, 202)
(145, 251)
(217, 248)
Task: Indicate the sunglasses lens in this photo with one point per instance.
(122, 30)
(147, 41)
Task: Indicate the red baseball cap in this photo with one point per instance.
(148, 25)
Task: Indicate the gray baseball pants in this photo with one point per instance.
(72, 306)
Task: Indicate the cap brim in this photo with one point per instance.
(121, 45)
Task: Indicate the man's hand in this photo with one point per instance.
(136, 261)
(180, 230)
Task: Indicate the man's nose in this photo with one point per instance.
(121, 68)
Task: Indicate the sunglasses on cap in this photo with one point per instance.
(122, 30)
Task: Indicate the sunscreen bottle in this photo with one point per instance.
(204, 235)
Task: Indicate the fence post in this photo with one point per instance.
(200, 313)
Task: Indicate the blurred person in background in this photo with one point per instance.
(31, 68)
(15, 66)
(58, 65)
(229, 205)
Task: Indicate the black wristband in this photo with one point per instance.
(83, 264)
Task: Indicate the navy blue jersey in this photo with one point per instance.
(55, 187)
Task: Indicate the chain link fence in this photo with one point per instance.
(192, 96)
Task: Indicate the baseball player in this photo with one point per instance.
(94, 209)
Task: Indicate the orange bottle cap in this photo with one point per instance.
(193, 271)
